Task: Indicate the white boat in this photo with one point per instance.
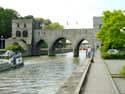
(10, 60)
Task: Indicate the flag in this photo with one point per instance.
(67, 23)
(76, 22)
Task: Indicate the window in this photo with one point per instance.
(18, 33)
(18, 25)
(24, 24)
(25, 33)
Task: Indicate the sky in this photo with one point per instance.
(69, 13)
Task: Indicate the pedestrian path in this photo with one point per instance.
(98, 81)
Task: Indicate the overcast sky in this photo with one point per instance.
(78, 13)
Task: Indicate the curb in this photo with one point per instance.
(82, 80)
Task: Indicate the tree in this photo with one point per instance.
(28, 17)
(47, 22)
(6, 16)
(54, 26)
(109, 34)
(15, 47)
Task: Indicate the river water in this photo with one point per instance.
(40, 75)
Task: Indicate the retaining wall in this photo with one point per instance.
(76, 80)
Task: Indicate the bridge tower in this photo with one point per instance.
(22, 33)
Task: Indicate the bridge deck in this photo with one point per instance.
(98, 81)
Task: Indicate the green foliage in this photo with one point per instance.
(6, 16)
(54, 26)
(44, 45)
(109, 34)
(47, 22)
(28, 17)
(15, 48)
(105, 55)
(122, 71)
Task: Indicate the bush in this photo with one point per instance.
(15, 48)
(106, 55)
(122, 71)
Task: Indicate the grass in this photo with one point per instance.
(122, 72)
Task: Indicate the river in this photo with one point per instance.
(40, 75)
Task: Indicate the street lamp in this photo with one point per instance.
(2, 42)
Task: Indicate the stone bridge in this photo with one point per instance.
(75, 36)
(27, 33)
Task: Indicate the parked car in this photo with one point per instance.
(112, 51)
(122, 51)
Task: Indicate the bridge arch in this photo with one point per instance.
(77, 46)
(56, 45)
(22, 43)
(41, 47)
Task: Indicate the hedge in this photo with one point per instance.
(105, 55)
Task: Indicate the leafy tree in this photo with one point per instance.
(54, 26)
(6, 16)
(15, 47)
(110, 34)
(28, 17)
(47, 22)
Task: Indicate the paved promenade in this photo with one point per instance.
(99, 81)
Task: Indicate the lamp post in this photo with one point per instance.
(93, 49)
(2, 42)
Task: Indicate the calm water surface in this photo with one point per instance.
(40, 75)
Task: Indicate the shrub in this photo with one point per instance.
(15, 48)
(105, 55)
(122, 71)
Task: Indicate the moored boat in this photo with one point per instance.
(10, 60)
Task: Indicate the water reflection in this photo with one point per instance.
(40, 75)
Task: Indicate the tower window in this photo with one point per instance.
(24, 24)
(18, 25)
(18, 33)
(25, 33)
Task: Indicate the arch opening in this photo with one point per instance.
(15, 47)
(41, 48)
(60, 45)
(25, 33)
(18, 34)
(81, 47)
